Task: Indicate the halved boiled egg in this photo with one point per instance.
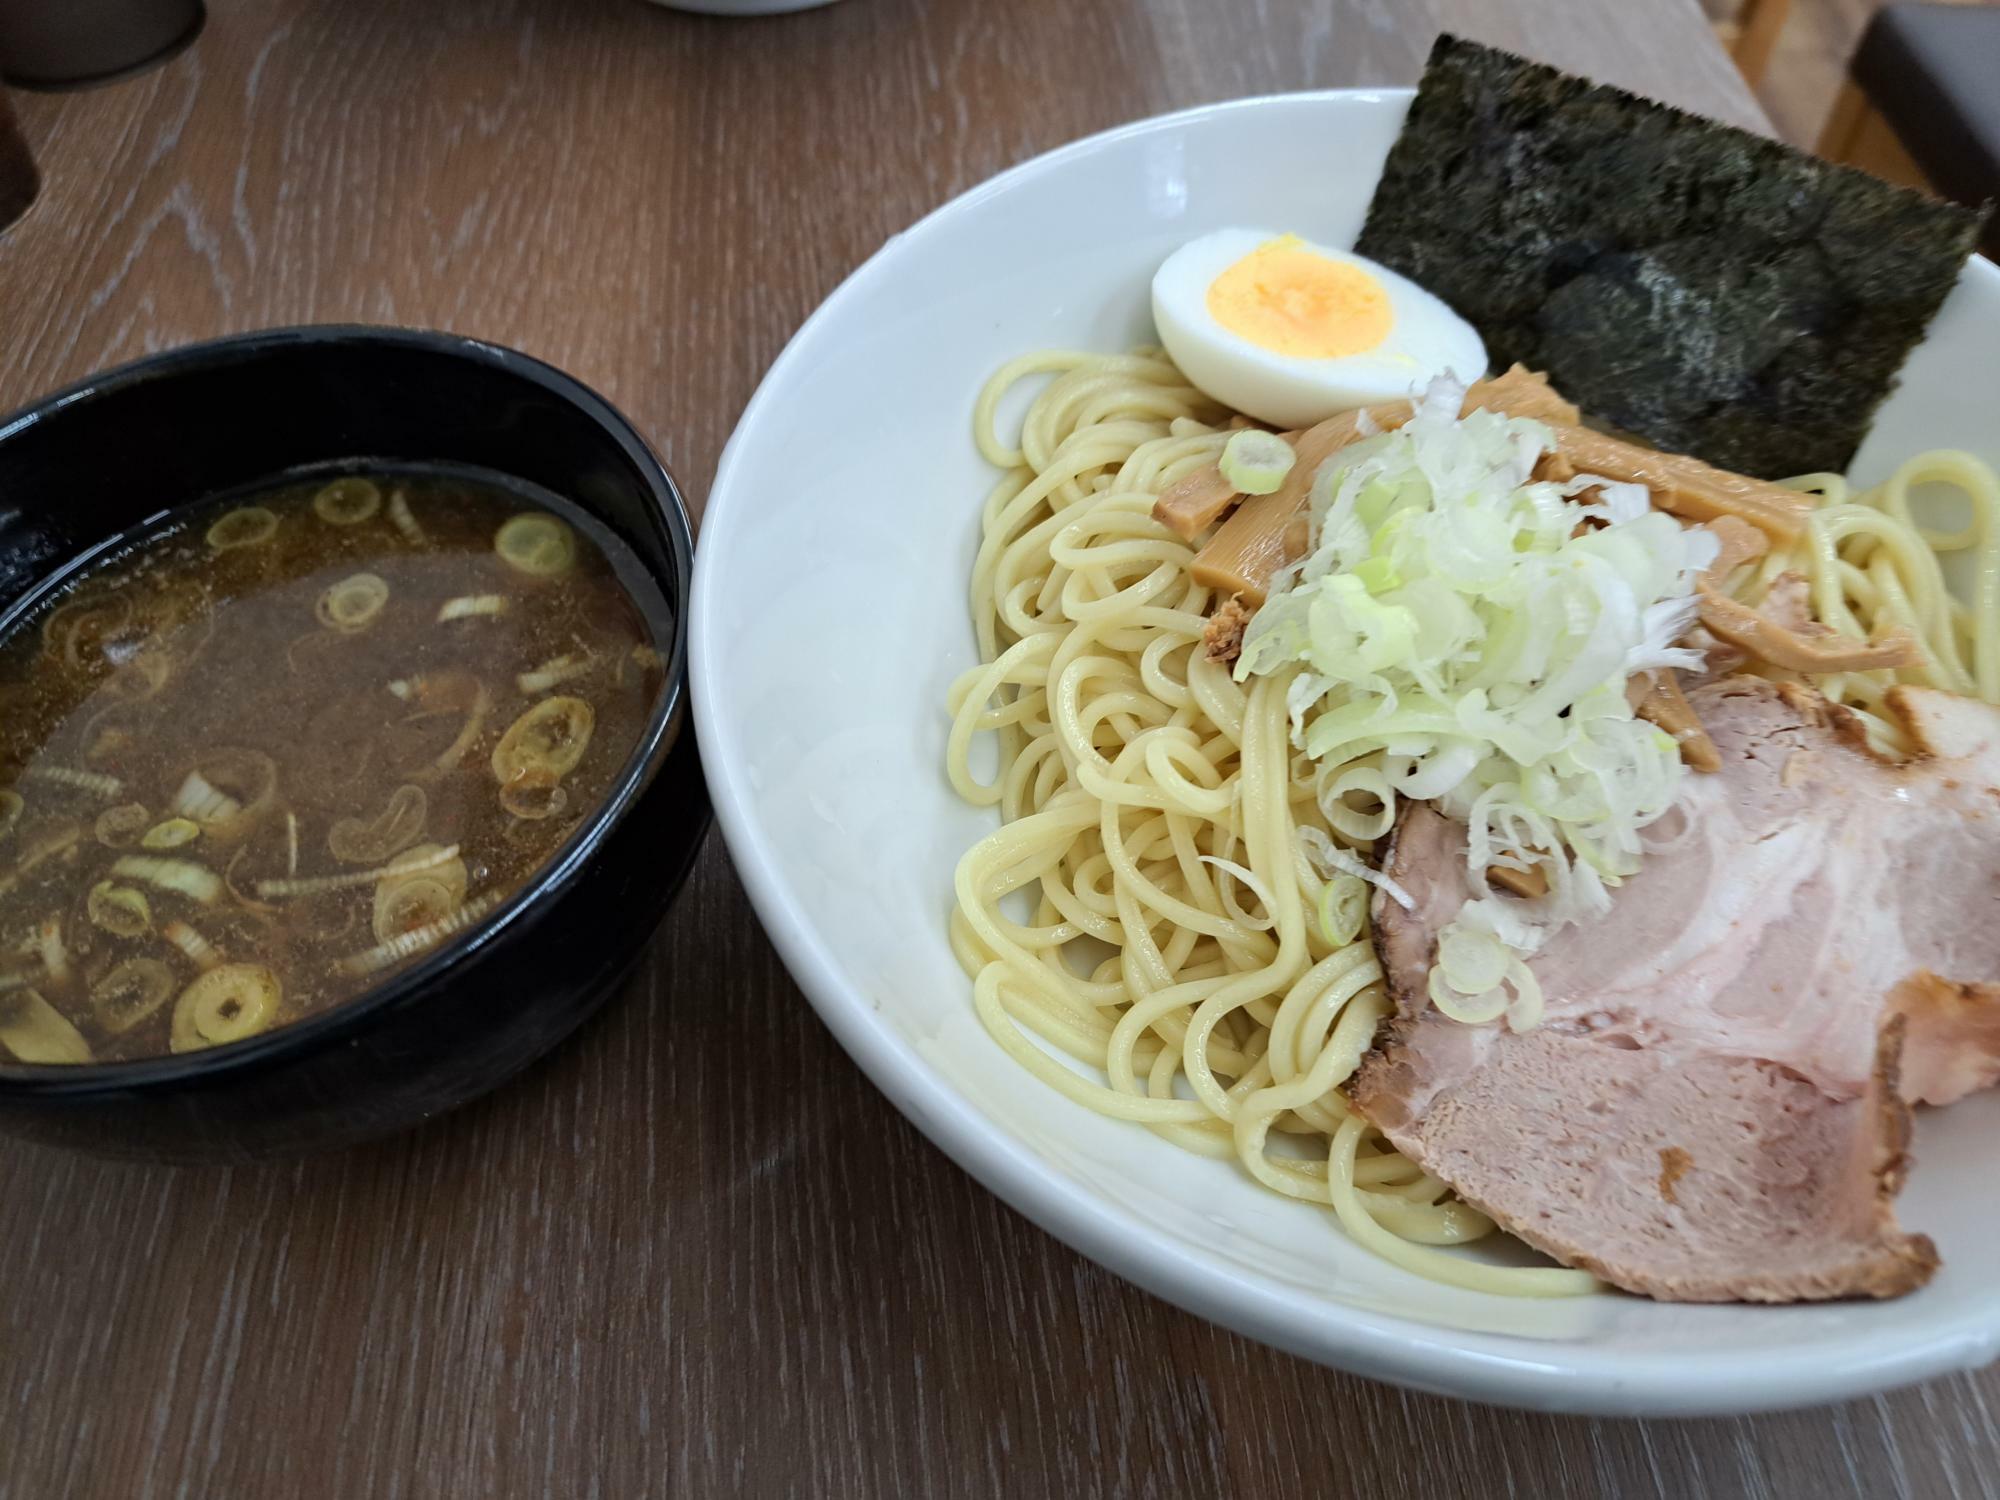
(1290, 332)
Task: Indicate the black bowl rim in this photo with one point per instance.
(330, 1027)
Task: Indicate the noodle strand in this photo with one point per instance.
(1159, 959)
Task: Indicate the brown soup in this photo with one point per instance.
(262, 757)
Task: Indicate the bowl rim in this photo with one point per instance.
(73, 1081)
(1504, 1369)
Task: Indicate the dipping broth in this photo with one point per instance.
(257, 760)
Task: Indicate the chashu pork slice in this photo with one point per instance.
(1712, 1108)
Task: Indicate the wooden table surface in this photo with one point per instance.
(695, 1253)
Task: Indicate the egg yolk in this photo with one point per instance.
(1285, 298)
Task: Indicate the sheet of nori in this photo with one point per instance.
(1703, 288)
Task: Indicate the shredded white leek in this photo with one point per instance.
(94, 782)
(1330, 859)
(1467, 631)
(54, 955)
(471, 606)
(202, 801)
(402, 946)
(200, 951)
(409, 864)
(405, 522)
(555, 672)
(1246, 877)
(184, 876)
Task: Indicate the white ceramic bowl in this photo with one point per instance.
(830, 615)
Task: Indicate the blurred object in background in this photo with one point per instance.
(1796, 65)
(65, 44)
(18, 180)
(741, 7)
(1920, 106)
(1750, 31)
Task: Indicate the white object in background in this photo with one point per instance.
(829, 616)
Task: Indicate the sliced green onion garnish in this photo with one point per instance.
(1343, 905)
(1256, 462)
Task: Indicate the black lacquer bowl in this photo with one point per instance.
(102, 457)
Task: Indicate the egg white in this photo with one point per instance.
(1426, 339)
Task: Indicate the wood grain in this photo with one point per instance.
(695, 1253)
(19, 181)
